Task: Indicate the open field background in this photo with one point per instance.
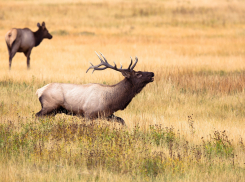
(188, 125)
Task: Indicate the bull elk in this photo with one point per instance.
(23, 40)
(94, 100)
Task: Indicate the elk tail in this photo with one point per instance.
(40, 91)
(10, 37)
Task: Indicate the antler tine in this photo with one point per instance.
(91, 67)
(130, 63)
(88, 69)
(103, 57)
(115, 65)
(96, 68)
(136, 60)
(103, 63)
(101, 60)
(121, 66)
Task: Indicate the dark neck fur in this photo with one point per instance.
(38, 37)
(123, 94)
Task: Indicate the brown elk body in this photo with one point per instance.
(23, 40)
(93, 100)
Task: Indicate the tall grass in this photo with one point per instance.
(156, 154)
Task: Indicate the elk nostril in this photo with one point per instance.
(152, 74)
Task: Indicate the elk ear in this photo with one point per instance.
(126, 74)
(43, 24)
(38, 25)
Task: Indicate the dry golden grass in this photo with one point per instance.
(196, 51)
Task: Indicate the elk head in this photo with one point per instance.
(44, 31)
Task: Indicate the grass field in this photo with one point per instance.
(188, 125)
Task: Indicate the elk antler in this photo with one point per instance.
(107, 65)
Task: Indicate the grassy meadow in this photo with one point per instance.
(187, 125)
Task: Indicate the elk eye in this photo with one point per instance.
(138, 75)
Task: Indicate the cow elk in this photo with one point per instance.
(23, 40)
(94, 100)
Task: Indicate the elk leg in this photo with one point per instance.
(117, 119)
(52, 111)
(10, 60)
(27, 54)
(46, 112)
(12, 52)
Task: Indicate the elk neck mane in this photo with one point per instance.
(38, 37)
(122, 94)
